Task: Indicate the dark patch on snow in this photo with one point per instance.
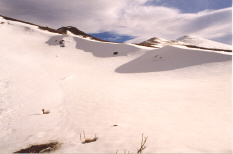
(41, 148)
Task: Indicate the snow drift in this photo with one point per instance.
(169, 58)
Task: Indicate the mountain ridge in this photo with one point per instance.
(78, 32)
(188, 41)
(154, 42)
(62, 30)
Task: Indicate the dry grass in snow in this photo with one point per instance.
(141, 148)
(87, 140)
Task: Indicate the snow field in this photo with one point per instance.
(182, 106)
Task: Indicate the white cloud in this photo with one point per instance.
(125, 17)
(171, 24)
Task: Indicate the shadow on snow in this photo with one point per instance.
(170, 58)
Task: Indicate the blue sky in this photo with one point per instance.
(130, 20)
(110, 36)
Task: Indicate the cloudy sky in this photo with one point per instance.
(129, 20)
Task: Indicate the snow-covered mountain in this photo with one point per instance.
(75, 31)
(198, 42)
(188, 41)
(157, 42)
(62, 30)
(179, 97)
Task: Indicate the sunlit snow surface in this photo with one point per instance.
(204, 43)
(180, 98)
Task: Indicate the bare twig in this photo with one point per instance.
(139, 151)
(142, 145)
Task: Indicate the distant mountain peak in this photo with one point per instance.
(73, 30)
(198, 42)
(78, 32)
(189, 41)
(157, 42)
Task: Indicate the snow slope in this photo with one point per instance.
(202, 43)
(171, 58)
(188, 41)
(181, 101)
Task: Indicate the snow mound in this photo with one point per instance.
(194, 41)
